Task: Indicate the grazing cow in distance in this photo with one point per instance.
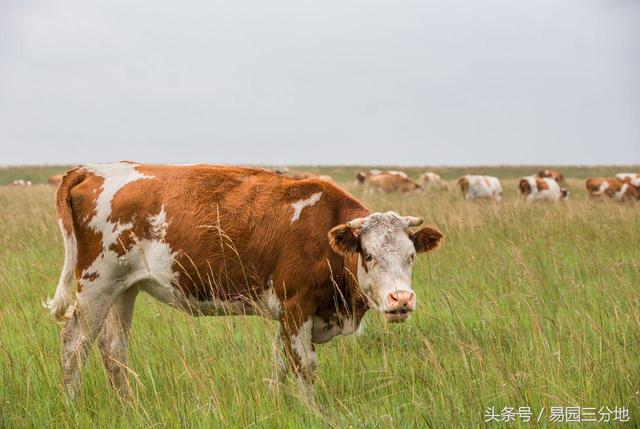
(628, 176)
(391, 182)
(21, 183)
(614, 188)
(309, 175)
(483, 187)
(432, 180)
(55, 179)
(362, 177)
(534, 188)
(552, 174)
(216, 240)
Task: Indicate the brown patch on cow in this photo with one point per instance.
(55, 179)
(463, 182)
(525, 187)
(593, 185)
(552, 174)
(541, 185)
(389, 182)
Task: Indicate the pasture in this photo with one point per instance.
(522, 306)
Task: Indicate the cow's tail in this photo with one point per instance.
(62, 305)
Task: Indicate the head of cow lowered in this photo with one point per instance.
(386, 250)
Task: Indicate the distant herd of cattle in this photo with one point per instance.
(546, 185)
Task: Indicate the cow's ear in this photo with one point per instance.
(428, 238)
(344, 240)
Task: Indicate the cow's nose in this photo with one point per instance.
(401, 300)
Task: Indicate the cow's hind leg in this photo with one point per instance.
(113, 340)
(79, 333)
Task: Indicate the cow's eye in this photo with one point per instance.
(368, 257)
(411, 258)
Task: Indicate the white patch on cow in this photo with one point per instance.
(270, 303)
(159, 224)
(623, 176)
(324, 331)
(398, 173)
(302, 345)
(299, 205)
(115, 176)
(619, 196)
(149, 261)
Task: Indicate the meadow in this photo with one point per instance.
(522, 306)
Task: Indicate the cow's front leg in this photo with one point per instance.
(296, 331)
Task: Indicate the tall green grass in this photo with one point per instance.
(523, 305)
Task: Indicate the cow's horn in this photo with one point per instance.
(356, 223)
(413, 220)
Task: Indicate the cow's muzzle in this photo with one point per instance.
(399, 305)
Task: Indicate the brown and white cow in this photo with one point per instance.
(616, 189)
(628, 176)
(475, 187)
(432, 180)
(552, 174)
(362, 177)
(309, 175)
(55, 179)
(216, 240)
(391, 181)
(534, 188)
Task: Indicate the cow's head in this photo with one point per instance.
(386, 251)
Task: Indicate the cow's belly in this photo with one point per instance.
(323, 331)
(150, 265)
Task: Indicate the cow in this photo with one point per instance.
(432, 180)
(628, 176)
(55, 179)
(222, 240)
(534, 188)
(614, 188)
(552, 174)
(483, 187)
(309, 175)
(20, 183)
(391, 181)
(362, 177)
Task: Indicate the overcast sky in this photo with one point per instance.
(320, 82)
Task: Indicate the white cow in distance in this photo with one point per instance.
(483, 187)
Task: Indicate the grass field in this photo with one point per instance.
(523, 305)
